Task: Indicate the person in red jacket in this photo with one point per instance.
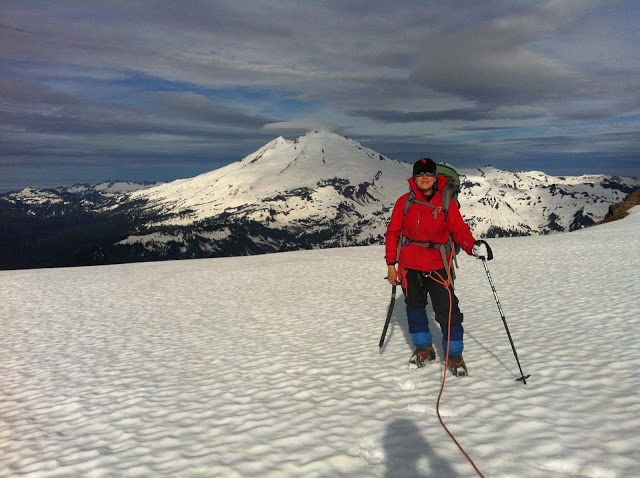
(415, 253)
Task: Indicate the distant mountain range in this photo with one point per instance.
(321, 190)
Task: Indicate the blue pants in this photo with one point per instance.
(420, 286)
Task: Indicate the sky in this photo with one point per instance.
(139, 90)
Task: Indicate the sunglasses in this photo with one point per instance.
(421, 175)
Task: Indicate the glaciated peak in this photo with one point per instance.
(319, 148)
(323, 133)
(273, 145)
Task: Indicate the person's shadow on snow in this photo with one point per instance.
(405, 447)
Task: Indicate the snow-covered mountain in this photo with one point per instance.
(321, 190)
(341, 193)
(502, 203)
(68, 194)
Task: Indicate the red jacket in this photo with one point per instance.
(419, 225)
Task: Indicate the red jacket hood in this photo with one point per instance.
(440, 185)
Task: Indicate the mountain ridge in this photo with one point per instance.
(570, 202)
(320, 190)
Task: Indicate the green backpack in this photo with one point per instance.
(450, 191)
(452, 188)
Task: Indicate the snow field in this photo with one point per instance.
(269, 366)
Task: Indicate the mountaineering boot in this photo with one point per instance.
(422, 356)
(457, 366)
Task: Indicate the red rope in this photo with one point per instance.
(446, 284)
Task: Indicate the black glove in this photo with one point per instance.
(482, 250)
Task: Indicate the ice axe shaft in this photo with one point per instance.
(389, 312)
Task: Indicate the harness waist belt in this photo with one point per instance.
(445, 249)
(433, 245)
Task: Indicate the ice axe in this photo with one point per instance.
(389, 312)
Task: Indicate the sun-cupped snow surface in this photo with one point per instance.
(269, 366)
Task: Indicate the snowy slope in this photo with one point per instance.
(333, 187)
(279, 167)
(269, 366)
(533, 202)
(321, 190)
(109, 189)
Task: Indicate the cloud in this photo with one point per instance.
(195, 107)
(496, 62)
(196, 78)
(298, 127)
(517, 112)
(476, 113)
(20, 92)
(394, 116)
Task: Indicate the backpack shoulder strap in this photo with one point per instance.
(412, 199)
(409, 201)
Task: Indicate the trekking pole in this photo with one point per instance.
(522, 378)
(389, 312)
